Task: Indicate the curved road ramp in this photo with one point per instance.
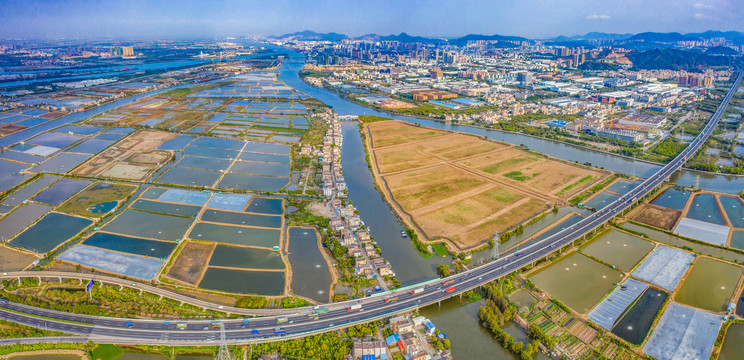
(684, 333)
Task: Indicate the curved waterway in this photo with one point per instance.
(714, 182)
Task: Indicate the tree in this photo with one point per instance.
(517, 347)
(446, 344)
(443, 270)
(439, 346)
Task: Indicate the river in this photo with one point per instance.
(714, 182)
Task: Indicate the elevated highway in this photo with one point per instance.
(302, 322)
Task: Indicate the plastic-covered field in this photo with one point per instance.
(183, 196)
(20, 218)
(42, 150)
(664, 267)
(703, 231)
(134, 266)
(684, 332)
(609, 310)
(229, 202)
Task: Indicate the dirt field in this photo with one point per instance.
(657, 216)
(134, 158)
(191, 262)
(463, 188)
(11, 260)
(7, 129)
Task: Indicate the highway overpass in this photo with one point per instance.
(300, 322)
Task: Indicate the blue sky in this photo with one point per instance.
(219, 18)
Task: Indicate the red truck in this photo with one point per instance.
(450, 289)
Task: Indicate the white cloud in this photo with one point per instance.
(598, 17)
(701, 6)
(700, 16)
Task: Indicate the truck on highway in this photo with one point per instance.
(450, 289)
(312, 316)
(389, 300)
(215, 324)
(417, 291)
(254, 331)
(354, 307)
(129, 324)
(519, 254)
(181, 326)
(445, 283)
(279, 331)
(281, 320)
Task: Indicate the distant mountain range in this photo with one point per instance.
(308, 35)
(645, 38)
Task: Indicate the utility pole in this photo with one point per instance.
(224, 353)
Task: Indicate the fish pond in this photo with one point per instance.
(635, 324)
(618, 249)
(52, 230)
(137, 246)
(577, 281)
(244, 219)
(705, 208)
(246, 258)
(710, 285)
(236, 235)
(672, 199)
(149, 225)
(269, 283)
(311, 276)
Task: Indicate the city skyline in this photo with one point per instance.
(532, 19)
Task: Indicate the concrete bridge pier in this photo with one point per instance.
(121, 287)
(60, 279)
(39, 278)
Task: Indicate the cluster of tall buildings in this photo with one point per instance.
(122, 51)
(692, 80)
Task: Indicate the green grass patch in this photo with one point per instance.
(440, 249)
(372, 118)
(181, 92)
(106, 352)
(517, 175)
(571, 186)
(497, 167)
